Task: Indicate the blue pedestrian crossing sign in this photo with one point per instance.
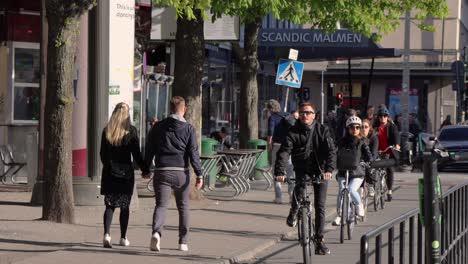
(290, 73)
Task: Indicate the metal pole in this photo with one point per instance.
(322, 95)
(442, 44)
(286, 99)
(431, 210)
(350, 86)
(404, 99)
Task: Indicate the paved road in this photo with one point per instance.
(405, 199)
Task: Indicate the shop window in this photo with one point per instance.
(26, 83)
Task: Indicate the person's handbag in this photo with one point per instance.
(347, 159)
(121, 170)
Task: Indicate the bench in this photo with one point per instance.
(6, 155)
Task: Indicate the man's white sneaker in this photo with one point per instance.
(337, 221)
(155, 244)
(106, 242)
(183, 247)
(124, 242)
(361, 211)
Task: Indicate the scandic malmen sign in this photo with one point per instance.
(311, 38)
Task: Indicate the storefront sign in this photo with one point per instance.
(394, 102)
(164, 25)
(311, 38)
(121, 50)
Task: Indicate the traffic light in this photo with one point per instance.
(339, 98)
(458, 70)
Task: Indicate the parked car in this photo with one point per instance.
(454, 139)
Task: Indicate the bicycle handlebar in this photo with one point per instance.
(312, 180)
(390, 147)
(383, 163)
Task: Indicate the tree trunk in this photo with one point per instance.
(248, 116)
(63, 20)
(188, 73)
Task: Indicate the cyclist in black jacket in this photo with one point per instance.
(312, 151)
(354, 143)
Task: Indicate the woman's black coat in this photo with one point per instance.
(123, 155)
(358, 145)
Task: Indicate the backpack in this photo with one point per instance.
(287, 121)
(282, 128)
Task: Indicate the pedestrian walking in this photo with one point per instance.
(278, 126)
(311, 148)
(172, 143)
(119, 143)
(353, 147)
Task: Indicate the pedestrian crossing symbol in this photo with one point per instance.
(289, 73)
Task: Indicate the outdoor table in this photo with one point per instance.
(238, 164)
(209, 163)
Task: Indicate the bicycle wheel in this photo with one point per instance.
(351, 220)
(344, 214)
(150, 185)
(299, 227)
(305, 241)
(377, 195)
(383, 190)
(365, 200)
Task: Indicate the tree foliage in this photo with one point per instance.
(362, 16)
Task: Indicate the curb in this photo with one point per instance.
(250, 255)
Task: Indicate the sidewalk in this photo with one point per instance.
(221, 231)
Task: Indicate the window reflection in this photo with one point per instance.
(26, 105)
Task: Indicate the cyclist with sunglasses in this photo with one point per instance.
(355, 145)
(312, 150)
(388, 136)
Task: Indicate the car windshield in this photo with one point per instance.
(454, 134)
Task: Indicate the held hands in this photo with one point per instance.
(327, 176)
(146, 176)
(280, 178)
(199, 183)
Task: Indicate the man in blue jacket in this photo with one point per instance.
(172, 143)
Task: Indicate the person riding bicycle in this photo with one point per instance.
(357, 147)
(388, 136)
(312, 150)
(372, 139)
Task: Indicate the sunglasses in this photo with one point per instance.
(354, 127)
(383, 115)
(306, 112)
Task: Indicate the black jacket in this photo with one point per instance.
(122, 155)
(393, 135)
(361, 149)
(172, 143)
(373, 143)
(322, 156)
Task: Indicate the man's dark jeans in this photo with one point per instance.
(320, 198)
(164, 183)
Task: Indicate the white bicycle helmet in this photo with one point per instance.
(353, 120)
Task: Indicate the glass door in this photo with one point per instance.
(25, 83)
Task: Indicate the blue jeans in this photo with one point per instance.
(289, 173)
(354, 185)
(164, 183)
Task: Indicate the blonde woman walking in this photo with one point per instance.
(119, 143)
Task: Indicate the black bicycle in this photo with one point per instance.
(305, 225)
(348, 216)
(380, 185)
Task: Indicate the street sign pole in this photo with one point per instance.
(322, 95)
